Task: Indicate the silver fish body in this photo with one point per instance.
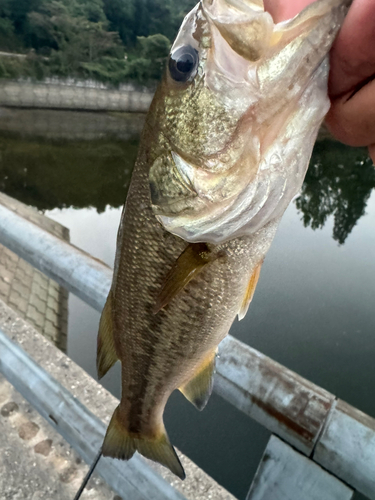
(225, 147)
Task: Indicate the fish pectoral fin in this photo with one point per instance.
(106, 353)
(119, 443)
(249, 292)
(199, 388)
(187, 267)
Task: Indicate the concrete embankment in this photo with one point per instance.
(70, 96)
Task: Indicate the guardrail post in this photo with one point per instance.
(347, 447)
(285, 474)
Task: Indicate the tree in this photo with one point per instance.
(17, 11)
(338, 183)
(88, 38)
(121, 16)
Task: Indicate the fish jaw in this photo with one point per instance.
(233, 168)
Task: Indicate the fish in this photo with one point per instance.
(225, 148)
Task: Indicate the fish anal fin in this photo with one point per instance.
(187, 267)
(120, 443)
(106, 352)
(249, 294)
(199, 388)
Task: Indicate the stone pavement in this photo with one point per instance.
(36, 298)
(35, 462)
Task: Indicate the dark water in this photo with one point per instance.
(314, 306)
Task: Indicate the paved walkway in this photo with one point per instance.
(36, 298)
(35, 462)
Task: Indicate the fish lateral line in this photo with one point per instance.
(192, 261)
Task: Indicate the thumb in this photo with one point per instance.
(281, 10)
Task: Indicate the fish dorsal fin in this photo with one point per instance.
(199, 388)
(189, 264)
(249, 292)
(106, 353)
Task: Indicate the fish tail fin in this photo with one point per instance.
(120, 443)
(106, 351)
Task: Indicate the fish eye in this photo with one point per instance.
(183, 63)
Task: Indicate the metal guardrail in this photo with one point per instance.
(328, 431)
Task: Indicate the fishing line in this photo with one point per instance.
(88, 475)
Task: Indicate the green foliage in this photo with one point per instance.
(16, 67)
(114, 41)
(338, 183)
(121, 15)
(149, 64)
(154, 47)
(8, 39)
(16, 11)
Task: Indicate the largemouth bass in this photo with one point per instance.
(225, 148)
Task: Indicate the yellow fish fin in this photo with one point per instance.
(189, 264)
(199, 388)
(249, 292)
(106, 353)
(119, 443)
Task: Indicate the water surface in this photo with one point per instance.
(313, 310)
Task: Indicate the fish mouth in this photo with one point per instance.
(244, 24)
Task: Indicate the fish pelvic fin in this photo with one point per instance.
(106, 352)
(122, 444)
(250, 290)
(190, 263)
(199, 388)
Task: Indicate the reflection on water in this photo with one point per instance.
(91, 168)
(57, 159)
(313, 310)
(57, 175)
(339, 182)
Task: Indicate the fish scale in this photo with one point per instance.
(221, 156)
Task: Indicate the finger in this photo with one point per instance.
(353, 53)
(281, 10)
(352, 119)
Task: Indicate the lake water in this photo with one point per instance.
(313, 310)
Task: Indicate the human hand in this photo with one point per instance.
(351, 87)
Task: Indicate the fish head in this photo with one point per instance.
(236, 115)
